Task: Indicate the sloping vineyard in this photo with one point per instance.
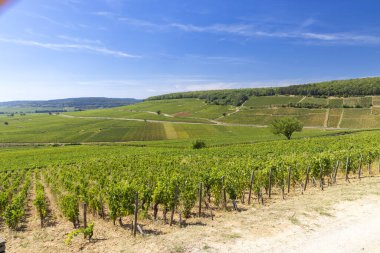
(174, 185)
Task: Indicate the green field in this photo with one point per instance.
(122, 124)
(310, 117)
(316, 101)
(334, 117)
(183, 110)
(41, 156)
(376, 101)
(360, 118)
(335, 102)
(43, 128)
(363, 102)
(331, 102)
(271, 101)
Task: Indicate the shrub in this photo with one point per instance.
(199, 144)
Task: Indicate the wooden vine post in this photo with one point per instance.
(136, 214)
(289, 173)
(250, 187)
(347, 164)
(336, 171)
(102, 213)
(321, 176)
(360, 166)
(200, 200)
(174, 205)
(2, 246)
(307, 178)
(369, 168)
(270, 183)
(224, 194)
(85, 217)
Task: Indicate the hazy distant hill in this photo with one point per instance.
(73, 103)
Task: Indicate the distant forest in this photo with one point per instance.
(338, 88)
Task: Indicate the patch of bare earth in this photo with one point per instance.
(342, 218)
(182, 114)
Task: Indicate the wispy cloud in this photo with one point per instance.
(220, 59)
(303, 32)
(250, 31)
(79, 40)
(142, 23)
(106, 14)
(239, 29)
(64, 46)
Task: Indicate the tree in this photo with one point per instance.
(286, 126)
(198, 144)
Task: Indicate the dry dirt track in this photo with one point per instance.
(353, 227)
(343, 218)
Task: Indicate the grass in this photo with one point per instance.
(334, 117)
(376, 101)
(364, 102)
(267, 101)
(322, 211)
(317, 101)
(310, 117)
(293, 219)
(186, 110)
(360, 118)
(335, 102)
(43, 128)
(183, 108)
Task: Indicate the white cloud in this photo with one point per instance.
(64, 46)
(221, 59)
(250, 31)
(79, 40)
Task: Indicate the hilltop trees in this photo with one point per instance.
(286, 126)
(236, 97)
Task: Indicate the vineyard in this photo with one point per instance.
(140, 185)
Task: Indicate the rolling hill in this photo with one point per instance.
(190, 118)
(68, 104)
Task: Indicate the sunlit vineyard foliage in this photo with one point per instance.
(168, 179)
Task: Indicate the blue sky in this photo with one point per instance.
(139, 48)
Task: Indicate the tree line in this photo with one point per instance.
(338, 88)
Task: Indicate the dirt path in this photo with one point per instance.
(340, 119)
(31, 212)
(350, 227)
(302, 99)
(325, 123)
